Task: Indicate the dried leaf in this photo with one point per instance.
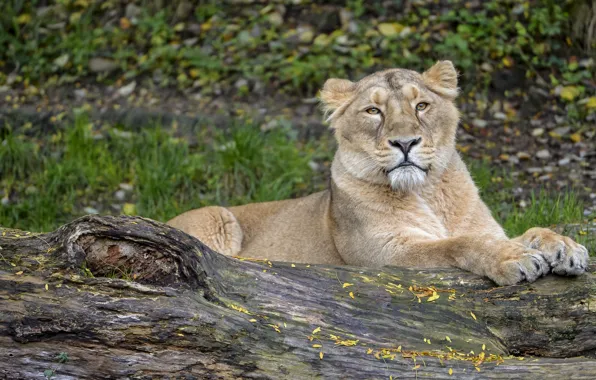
(434, 297)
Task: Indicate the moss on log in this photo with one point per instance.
(124, 297)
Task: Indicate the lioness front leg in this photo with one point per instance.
(565, 256)
(506, 262)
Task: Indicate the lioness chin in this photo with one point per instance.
(399, 194)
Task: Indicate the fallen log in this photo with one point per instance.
(127, 297)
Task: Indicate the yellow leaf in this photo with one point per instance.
(399, 349)
(473, 316)
(317, 346)
(591, 103)
(239, 308)
(316, 330)
(24, 18)
(576, 137)
(508, 62)
(129, 209)
(346, 284)
(124, 23)
(369, 351)
(293, 265)
(47, 287)
(75, 17)
(19, 273)
(389, 29)
(450, 371)
(448, 339)
(570, 92)
(252, 320)
(434, 297)
(483, 347)
(321, 355)
(352, 295)
(416, 366)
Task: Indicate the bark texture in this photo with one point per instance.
(124, 297)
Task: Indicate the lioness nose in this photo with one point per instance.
(405, 145)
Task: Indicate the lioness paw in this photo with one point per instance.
(517, 264)
(565, 256)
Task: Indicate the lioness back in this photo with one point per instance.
(294, 230)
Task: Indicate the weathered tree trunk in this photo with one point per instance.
(107, 297)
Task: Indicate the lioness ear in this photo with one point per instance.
(442, 79)
(335, 93)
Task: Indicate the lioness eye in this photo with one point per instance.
(373, 111)
(421, 106)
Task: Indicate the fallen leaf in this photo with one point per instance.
(25, 18)
(321, 355)
(124, 23)
(346, 284)
(316, 330)
(570, 92)
(389, 29)
(473, 316)
(129, 209)
(508, 62)
(450, 371)
(434, 297)
(352, 295)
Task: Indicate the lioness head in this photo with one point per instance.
(395, 127)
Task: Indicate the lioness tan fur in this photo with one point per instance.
(399, 194)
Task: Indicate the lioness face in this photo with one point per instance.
(395, 127)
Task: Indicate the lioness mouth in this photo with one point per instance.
(405, 164)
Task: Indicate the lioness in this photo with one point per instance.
(399, 194)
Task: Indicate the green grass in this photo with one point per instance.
(542, 209)
(51, 180)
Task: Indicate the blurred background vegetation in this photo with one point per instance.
(153, 107)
